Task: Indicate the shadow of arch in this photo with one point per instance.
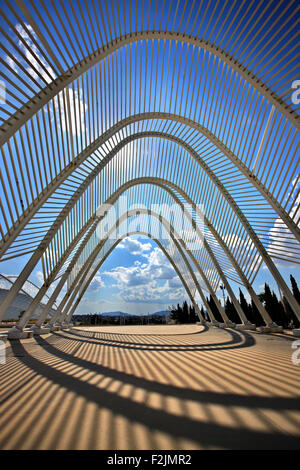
(203, 329)
(238, 340)
(202, 433)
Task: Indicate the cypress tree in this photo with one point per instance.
(175, 313)
(295, 289)
(255, 316)
(274, 307)
(203, 313)
(279, 315)
(292, 320)
(214, 309)
(193, 317)
(231, 311)
(185, 313)
(245, 306)
(268, 300)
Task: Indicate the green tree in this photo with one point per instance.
(245, 306)
(254, 315)
(203, 313)
(275, 308)
(214, 309)
(185, 313)
(193, 317)
(292, 320)
(175, 313)
(295, 289)
(231, 311)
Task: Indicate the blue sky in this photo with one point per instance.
(137, 278)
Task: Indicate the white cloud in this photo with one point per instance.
(96, 283)
(65, 99)
(39, 277)
(135, 247)
(152, 292)
(31, 53)
(143, 282)
(39, 68)
(157, 267)
(281, 239)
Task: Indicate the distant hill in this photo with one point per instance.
(113, 314)
(125, 314)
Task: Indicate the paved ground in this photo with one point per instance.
(150, 387)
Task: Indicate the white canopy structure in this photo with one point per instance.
(167, 102)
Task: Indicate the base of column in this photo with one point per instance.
(296, 332)
(16, 333)
(263, 329)
(229, 324)
(201, 322)
(276, 328)
(54, 327)
(213, 323)
(41, 330)
(64, 326)
(246, 326)
(270, 328)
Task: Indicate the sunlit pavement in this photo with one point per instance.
(150, 387)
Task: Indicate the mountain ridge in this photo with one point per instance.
(119, 313)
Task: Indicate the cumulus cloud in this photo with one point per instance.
(38, 67)
(74, 101)
(281, 239)
(96, 283)
(156, 267)
(39, 280)
(43, 73)
(152, 281)
(153, 293)
(39, 277)
(134, 247)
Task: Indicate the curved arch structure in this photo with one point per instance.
(216, 264)
(66, 315)
(50, 91)
(189, 102)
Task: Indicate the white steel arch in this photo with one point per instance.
(36, 256)
(179, 245)
(50, 91)
(74, 164)
(263, 312)
(86, 268)
(88, 83)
